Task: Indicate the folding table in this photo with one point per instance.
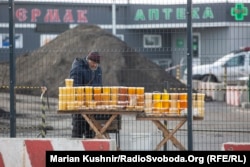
(101, 130)
(167, 133)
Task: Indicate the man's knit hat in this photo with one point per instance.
(94, 56)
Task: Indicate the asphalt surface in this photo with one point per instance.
(222, 123)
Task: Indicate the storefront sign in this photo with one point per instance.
(239, 12)
(201, 13)
(129, 14)
(167, 13)
(52, 15)
(61, 13)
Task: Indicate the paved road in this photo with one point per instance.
(222, 123)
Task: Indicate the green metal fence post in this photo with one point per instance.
(248, 87)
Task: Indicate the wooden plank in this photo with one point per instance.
(169, 135)
(93, 126)
(180, 124)
(143, 116)
(96, 111)
(108, 123)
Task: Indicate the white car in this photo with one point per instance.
(230, 68)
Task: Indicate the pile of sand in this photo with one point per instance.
(122, 66)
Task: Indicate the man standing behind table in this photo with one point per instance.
(85, 72)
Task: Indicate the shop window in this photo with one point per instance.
(5, 40)
(46, 38)
(152, 41)
(196, 45)
(121, 36)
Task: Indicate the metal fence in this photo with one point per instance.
(133, 39)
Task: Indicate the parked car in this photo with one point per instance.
(230, 68)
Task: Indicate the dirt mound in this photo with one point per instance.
(122, 65)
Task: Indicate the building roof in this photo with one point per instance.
(136, 1)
